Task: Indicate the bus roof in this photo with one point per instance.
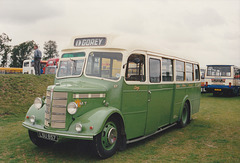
(220, 65)
(120, 42)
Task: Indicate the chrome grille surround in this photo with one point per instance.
(55, 113)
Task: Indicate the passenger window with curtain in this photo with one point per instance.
(167, 69)
(154, 70)
(180, 70)
(135, 68)
(197, 73)
(189, 72)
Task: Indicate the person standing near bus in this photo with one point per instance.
(37, 60)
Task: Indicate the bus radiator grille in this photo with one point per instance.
(55, 113)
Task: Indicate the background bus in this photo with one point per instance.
(10, 70)
(223, 79)
(202, 70)
(28, 67)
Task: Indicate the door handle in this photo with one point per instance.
(149, 98)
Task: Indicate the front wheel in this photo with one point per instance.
(185, 118)
(107, 142)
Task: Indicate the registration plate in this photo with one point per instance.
(48, 136)
(217, 89)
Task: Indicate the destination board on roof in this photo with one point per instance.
(91, 41)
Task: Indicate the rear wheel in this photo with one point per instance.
(39, 141)
(185, 118)
(107, 142)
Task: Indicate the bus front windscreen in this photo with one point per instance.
(219, 71)
(70, 67)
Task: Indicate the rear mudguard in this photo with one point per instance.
(182, 105)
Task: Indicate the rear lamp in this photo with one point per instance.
(32, 119)
(72, 108)
(38, 103)
(78, 127)
(230, 84)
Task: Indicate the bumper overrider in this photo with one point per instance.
(61, 134)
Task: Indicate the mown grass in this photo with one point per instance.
(18, 93)
(212, 135)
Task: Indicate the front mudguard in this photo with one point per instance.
(38, 113)
(94, 120)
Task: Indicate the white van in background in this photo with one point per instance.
(28, 67)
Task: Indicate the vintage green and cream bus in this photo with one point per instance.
(112, 91)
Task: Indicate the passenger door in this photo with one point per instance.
(160, 96)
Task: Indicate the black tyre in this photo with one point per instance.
(106, 143)
(185, 117)
(39, 141)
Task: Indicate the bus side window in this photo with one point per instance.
(154, 70)
(167, 69)
(135, 68)
(189, 72)
(180, 71)
(196, 71)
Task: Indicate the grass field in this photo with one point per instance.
(212, 136)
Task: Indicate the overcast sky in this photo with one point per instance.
(206, 30)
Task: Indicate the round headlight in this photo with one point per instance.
(32, 119)
(78, 127)
(38, 103)
(72, 108)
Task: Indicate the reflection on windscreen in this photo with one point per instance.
(219, 71)
(70, 67)
(104, 65)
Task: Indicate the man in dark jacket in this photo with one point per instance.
(37, 60)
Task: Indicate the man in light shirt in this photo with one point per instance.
(37, 60)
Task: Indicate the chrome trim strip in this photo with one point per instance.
(58, 106)
(53, 113)
(99, 95)
(58, 121)
(59, 98)
(144, 137)
(59, 134)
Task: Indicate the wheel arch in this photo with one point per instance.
(120, 120)
(96, 119)
(185, 100)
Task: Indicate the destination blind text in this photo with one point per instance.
(99, 41)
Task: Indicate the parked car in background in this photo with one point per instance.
(52, 65)
(52, 62)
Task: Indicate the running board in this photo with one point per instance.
(144, 137)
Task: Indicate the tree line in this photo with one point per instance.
(23, 51)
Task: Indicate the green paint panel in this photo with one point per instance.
(159, 107)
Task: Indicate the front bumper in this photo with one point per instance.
(64, 134)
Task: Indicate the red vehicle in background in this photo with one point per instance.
(52, 62)
(43, 66)
(52, 65)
